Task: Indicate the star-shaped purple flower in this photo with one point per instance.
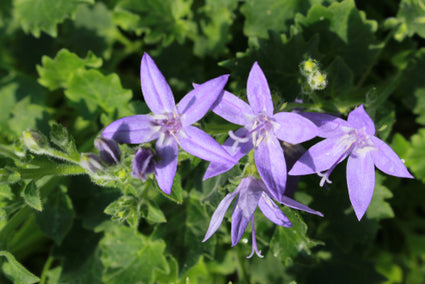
(261, 131)
(171, 123)
(354, 139)
(251, 192)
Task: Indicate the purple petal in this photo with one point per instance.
(236, 152)
(387, 160)
(273, 212)
(198, 143)
(198, 101)
(271, 166)
(361, 182)
(233, 109)
(218, 215)
(319, 157)
(294, 128)
(143, 163)
(258, 92)
(251, 190)
(166, 168)
(359, 118)
(239, 224)
(132, 129)
(299, 206)
(156, 91)
(329, 125)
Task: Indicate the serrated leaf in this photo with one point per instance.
(379, 208)
(15, 271)
(57, 72)
(415, 158)
(161, 21)
(410, 19)
(58, 215)
(32, 196)
(130, 257)
(90, 92)
(36, 16)
(287, 243)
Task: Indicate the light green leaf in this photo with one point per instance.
(15, 271)
(130, 257)
(36, 16)
(90, 92)
(415, 159)
(32, 196)
(155, 214)
(378, 207)
(58, 215)
(410, 19)
(57, 72)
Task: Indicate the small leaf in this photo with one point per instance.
(378, 207)
(15, 271)
(36, 16)
(58, 215)
(32, 196)
(155, 214)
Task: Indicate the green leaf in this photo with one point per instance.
(60, 137)
(155, 214)
(415, 159)
(57, 72)
(410, 19)
(378, 207)
(215, 28)
(287, 243)
(58, 215)
(130, 257)
(161, 21)
(32, 196)
(15, 271)
(36, 16)
(90, 92)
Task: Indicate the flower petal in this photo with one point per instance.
(239, 224)
(251, 190)
(294, 128)
(329, 125)
(132, 129)
(166, 168)
(361, 182)
(271, 166)
(236, 152)
(197, 102)
(359, 118)
(273, 212)
(387, 160)
(219, 213)
(233, 109)
(156, 91)
(319, 157)
(299, 206)
(258, 92)
(198, 143)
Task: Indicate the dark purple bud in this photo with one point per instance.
(91, 162)
(108, 149)
(143, 163)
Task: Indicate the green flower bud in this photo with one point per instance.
(91, 162)
(35, 141)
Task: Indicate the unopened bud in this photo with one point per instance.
(108, 149)
(317, 80)
(91, 162)
(35, 141)
(143, 163)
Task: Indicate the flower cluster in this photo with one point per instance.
(171, 125)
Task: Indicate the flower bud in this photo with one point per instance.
(35, 141)
(317, 80)
(143, 163)
(108, 149)
(91, 162)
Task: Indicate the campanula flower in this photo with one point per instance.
(250, 193)
(108, 150)
(143, 163)
(355, 139)
(261, 131)
(170, 124)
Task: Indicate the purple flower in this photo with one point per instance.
(143, 163)
(251, 193)
(170, 124)
(354, 139)
(261, 131)
(108, 150)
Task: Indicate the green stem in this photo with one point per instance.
(4, 151)
(13, 223)
(46, 269)
(62, 156)
(60, 170)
